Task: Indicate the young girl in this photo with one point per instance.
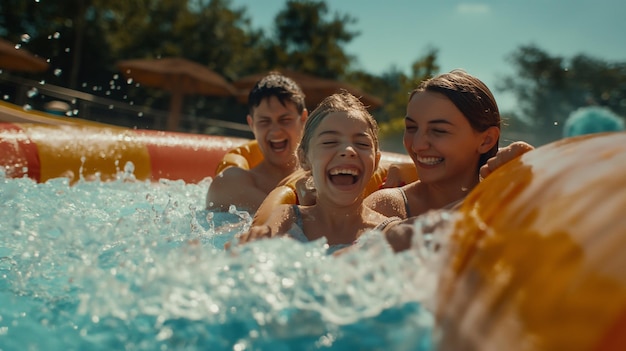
(339, 149)
(452, 127)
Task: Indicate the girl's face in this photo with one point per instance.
(341, 157)
(440, 140)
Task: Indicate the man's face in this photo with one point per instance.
(278, 130)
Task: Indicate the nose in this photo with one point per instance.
(420, 142)
(348, 151)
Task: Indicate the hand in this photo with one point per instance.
(255, 233)
(505, 155)
(400, 235)
(400, 174)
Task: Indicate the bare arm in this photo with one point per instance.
(234, 186)
(278, 224)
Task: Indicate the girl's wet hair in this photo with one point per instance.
(472, 97)
(275, 84)
(340, 102)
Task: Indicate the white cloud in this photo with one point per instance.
(473, 8)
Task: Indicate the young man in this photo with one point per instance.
(276, 116)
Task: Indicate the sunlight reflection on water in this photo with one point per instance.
(141, 266)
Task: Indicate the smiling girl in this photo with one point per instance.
(339, 149)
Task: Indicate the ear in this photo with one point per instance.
(249, 120)
(304, 116)
(304, 162)
(489, 139)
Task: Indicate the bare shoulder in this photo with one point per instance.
(233, 186)
(388, 202)
(233, 175)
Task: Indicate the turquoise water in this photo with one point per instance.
(129, 265)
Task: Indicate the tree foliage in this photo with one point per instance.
(549, 88)
(84, 40)
(306, 40)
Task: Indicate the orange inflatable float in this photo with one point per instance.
(42, 152)
(537, 260)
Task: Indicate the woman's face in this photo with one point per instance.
(342, 157)
(440, 140)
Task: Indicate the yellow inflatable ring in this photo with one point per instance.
(245, 156)
(536, 260)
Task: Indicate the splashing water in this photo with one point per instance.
(128, 265)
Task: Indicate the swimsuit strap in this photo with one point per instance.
(298, 215)
(382, 225)
(406, 202)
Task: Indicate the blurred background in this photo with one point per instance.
(187, 65)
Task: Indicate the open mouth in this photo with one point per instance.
(344, 176)
(279, 146)
(430, 161)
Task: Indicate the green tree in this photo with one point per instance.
(548, 88)
(306, 40)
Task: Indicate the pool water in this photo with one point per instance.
(129, 265)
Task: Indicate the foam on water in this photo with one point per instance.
(129, 265)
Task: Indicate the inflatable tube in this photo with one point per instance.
(536, 261)
(42, 152)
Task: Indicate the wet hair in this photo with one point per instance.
(472, 97)
(340, 102)
(275, 84)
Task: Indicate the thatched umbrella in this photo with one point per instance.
(315, 88)
(180, 77)
(14, 59)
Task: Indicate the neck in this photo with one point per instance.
(442, 194)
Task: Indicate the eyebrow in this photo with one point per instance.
(434, 121)
(334, 132)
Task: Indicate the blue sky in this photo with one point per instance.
(476, 36)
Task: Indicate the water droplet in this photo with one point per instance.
(5, 97)
(129, 81)
(27, 107)
(67, 49)
(25, 38)
(56, 35)
(32, 92)
(140, 114)
(57, 72)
